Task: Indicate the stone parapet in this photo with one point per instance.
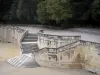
(55, 41)
(12, 34)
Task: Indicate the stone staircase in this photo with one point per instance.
(44, 52)
(18, 61)
(28, 46)
(30, 38)
(29, 43)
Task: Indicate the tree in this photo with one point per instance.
(59, 9)
(43, 16)
(81, 9)
(13, 10)
(54, 10)
(26, 10)
(96, 10)
(4, 7)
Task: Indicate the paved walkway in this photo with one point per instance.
(87, 34)
(8, 50)
(6, 69)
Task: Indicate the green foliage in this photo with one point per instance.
(52, 12)
(4, 8)
(80, 9)
(26, 10)
(41, 12)
(12, 12)
(95, 9)
(57, 10)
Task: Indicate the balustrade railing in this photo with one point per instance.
(62, 48)
(55, 41)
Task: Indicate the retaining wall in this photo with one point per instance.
(12, 34)
(79, 54)
(54, 41)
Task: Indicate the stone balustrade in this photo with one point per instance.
(58, 51)
(78, 54)
(55, 41)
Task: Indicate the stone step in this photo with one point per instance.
(31, 34)
(29, 37)
(35, 42)
(29, 48)
(30, 51)
(11, 59)
(20, 63)
(29, 40)
(14, 60)
(19, 60)
(27, 45)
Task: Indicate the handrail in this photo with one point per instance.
(59, 47)
(59, 35)
(69, 44)
(26, 32)
(89, 42)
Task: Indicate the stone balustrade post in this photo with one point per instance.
(0, 33)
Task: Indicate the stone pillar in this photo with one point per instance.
(6, 39)
(15, 36)
(0, 33)
(21, 33)
(14, 32)
(4, 34)
(20, 49)
(19, 37)
(9, 34)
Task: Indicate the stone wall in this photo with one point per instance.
(58, 51)
(62, 57)
(12, 34)
(75, 54)
(91, 56)
(54, 41)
